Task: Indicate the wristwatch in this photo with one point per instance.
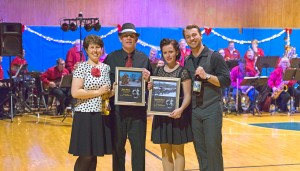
(208, 76)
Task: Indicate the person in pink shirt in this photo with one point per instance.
(1, 69)
(237, 75)
(73, 56)
(103, 56)
(277, 84)
(230, 52)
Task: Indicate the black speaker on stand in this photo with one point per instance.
(11, 39)
(11, 45)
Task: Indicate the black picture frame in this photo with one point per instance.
(164, 96)
(130, 89)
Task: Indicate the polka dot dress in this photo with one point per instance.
(91, 82)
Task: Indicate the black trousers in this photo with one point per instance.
(129, 122)
(63, 95)
(282, 101)
(295, 94)
(207, 132)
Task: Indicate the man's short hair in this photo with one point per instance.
(191, 26)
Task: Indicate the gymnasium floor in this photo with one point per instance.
(250, 143)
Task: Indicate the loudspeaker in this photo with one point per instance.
(11, 39)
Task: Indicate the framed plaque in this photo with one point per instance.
(130, 89)
(164, 95)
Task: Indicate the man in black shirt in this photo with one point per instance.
(128, 120)
(207, 104)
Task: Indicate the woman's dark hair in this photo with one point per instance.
(174, 43)
(92, 39)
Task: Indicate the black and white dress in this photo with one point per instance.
(166, 130)
(91, 131)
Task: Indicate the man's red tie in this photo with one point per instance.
(129, 61)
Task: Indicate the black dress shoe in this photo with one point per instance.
(58, 110)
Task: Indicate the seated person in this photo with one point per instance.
(3, 89)
(51, 80)
(282, 90)
(103, 56)
(184, 51)
(237, 75)
(17, 62)
(1, 69)
(153, 56)
(290, 52)
(258, 52)
(221, 52)
(160, 63)
(231, 53)
(73, 56)
(251, 61)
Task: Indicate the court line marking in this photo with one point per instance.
(249, 124)
(50, 119)
(153, 154)
(259, 166)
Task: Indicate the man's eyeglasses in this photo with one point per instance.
(132, 35)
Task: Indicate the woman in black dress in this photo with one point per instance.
(91, 133)
(173, 131)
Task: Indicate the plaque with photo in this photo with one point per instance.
(164, 95)
(130, 89)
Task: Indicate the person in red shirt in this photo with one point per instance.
(184, 52)
(251, 60)
(258, 52)
(73, 56)
(230, 52)
(51, 80)
(17, 62)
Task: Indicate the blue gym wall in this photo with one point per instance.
(41, 53)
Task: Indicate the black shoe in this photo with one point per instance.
(58, 110)
(250, 111)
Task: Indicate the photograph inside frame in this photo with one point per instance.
(131, 87)
(164, 95)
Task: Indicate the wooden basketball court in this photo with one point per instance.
(35, 144)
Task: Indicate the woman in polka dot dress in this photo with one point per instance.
(91, 131)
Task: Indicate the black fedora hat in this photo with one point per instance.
(128, 28)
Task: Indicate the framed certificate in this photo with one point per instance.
(164, 95)
(130, 89)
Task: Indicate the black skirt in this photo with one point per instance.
(166, 130)
(91, 134)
